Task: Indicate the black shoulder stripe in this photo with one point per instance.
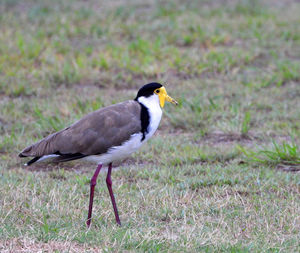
(61, 158)
(33, 160)
(67, 157)
(145, 120)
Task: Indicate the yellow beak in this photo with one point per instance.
(163, 96)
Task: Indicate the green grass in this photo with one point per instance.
(287, 154)
(234, 68)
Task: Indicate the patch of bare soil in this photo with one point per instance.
(23, 245)
(288, 168)
(179, 75)
(125, 79)
(219, 137)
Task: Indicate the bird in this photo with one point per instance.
(105, 136)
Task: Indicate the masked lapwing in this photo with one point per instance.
(104, 136)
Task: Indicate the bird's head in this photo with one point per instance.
(153, 90)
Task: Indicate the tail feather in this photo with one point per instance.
(32, 160)
(55, 158)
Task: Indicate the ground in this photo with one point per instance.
(222, 172)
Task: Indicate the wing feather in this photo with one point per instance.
(92, 135)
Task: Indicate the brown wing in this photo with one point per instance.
(93, 134)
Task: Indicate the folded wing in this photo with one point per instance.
(94, 134)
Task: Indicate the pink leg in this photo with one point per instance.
(113, 201)
(93, 184)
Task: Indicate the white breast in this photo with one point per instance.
(152, 103)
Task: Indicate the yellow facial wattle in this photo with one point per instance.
(163, 96)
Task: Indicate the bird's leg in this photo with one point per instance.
(113, 201)
(93, 184)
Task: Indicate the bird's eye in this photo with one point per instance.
(156, 91)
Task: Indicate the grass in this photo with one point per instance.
(234, 67)
(284, 153)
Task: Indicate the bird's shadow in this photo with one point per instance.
(48, 167)
(74, 166)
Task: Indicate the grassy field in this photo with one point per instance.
(221, 174)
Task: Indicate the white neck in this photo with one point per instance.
(155, 113)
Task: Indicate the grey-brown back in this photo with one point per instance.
(93, 134)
